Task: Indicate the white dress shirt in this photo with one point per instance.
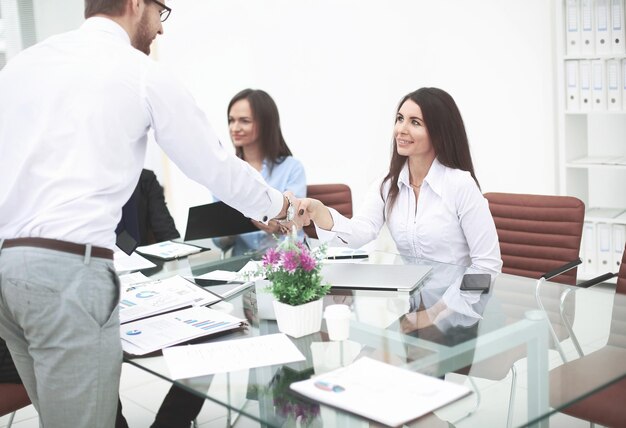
(74, 114)
(450, 223)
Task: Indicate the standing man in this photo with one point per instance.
(74, 114)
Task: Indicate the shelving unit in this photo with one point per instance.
(592, 131)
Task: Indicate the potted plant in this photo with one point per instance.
(293, 271)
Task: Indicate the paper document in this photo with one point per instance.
(380, 392)
(125, 263)
(168, 250)
(129, 279)
(151, 334)
(155, 297)
(231, 355)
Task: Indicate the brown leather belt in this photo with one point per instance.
(54, 244)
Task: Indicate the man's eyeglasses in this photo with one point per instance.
(165, 12)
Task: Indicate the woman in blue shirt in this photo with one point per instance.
(254, 126)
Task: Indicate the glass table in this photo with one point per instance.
(435, 329)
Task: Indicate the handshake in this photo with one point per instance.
(295, 214)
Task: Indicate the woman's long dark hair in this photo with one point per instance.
(267, 121)
(447, 134)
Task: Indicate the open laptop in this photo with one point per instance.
(216, 219)
(369, 276)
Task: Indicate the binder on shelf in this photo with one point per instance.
(619, 240)
(572, 83)
(589, 247)
(613, 85)
(584, 79)
(603, 241)
(623, 84)
(598, 85)
(603, 26)
(587, 31)
(617, 27)
(572, 27)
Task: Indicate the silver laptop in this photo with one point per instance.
(369, 276)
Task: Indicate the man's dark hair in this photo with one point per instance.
(106, 7)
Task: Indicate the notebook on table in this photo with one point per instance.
(369, 276)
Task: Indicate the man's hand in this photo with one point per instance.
(272, 227)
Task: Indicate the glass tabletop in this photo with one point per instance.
(436, 329)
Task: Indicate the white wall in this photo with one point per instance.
(337, 69)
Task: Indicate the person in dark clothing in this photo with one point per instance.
(155, 222)
(145, 217)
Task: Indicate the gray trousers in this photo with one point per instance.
(59, 317)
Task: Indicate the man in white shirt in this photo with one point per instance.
(74, 114)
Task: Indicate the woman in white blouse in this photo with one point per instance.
(430, 199)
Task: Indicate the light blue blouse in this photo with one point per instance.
(286, 175)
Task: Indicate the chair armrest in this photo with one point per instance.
(558, 271)
(596, 280)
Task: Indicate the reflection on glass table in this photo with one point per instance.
(437, 329)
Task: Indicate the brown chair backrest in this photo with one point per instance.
(13, 397)
(337, 196)
(538, 233)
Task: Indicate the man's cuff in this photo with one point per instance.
(276, 206)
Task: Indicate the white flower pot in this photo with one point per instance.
(298, 321)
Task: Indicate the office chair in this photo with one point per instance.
(539, 238)
(13, 397)
(337, 196)
(575, 378)
(537, 233)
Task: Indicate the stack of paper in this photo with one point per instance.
(152, 334)
(168, 250)
(128, 263)
(380, 392)
(145, 299)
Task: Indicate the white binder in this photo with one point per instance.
(572, 89)
(584, 79)
(617, 27)
(603, 26)
(603, 242)
(572, 27)
(587, 28)
(623, 84)
(619, 240)
(589, 247)
(598, 85)
(613, 85)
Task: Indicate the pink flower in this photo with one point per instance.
(291, 261)
(307, 262)
(271, 257)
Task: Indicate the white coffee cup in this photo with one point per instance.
(337, 321)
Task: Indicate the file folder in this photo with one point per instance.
(623, 83)
(617, 27)
(573, 88)
(572, 32)
(603, 241)
(584, 70)
(619, 240)
(603, 27)
(589, 247)
(613, 85)
(587, 31)
(598, 85)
